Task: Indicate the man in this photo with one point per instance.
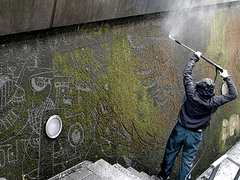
(199, 105)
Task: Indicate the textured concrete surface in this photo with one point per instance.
(101, 170)
(24, 16)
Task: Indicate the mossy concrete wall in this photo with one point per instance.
(31, 15)
(117, 86)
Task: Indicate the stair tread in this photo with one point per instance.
(91, 177)
(141, 175)
(126, 171)
(102, 170)
(65, 174)
(106, 171)
(153, 177)
(82, 173)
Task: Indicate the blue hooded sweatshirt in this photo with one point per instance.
(200, 102)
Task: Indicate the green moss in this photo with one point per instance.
(216, 48)
(100, 28)
(134, 108)
(119, 90)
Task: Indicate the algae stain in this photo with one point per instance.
(222, 50)
(115, 90)
(66, 77)
(223, 43)
(216, 48)
(233, 43)
(133, 106)
(230, 128)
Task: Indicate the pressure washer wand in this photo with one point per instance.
(217, 66)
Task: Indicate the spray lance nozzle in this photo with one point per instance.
(174, 40)
(206, 59)
(178, 42)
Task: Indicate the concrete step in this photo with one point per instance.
(82, 173)
(145, 176)
(126, 172)
(101, 170)
(141, 175)
(71, 173)
(106, 171)
(153, 177)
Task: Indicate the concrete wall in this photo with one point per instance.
(117, 87)
(31, 15)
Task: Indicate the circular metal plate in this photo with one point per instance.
(53, 126)
(224, 89)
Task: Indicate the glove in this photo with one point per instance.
(198, 53)
(224, 74)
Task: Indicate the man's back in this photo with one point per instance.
(200, 102)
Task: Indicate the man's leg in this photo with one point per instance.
(189, 153)
(172, 149)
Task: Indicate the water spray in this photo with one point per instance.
(214, 64)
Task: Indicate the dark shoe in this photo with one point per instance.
(161, 178)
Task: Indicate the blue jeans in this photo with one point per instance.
(190, 141)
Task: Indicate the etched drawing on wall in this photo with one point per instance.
(80, 89)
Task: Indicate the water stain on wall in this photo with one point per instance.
(230, 128)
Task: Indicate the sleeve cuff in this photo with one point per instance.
(195, 58)
(227, 78)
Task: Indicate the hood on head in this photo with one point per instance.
(206, 87)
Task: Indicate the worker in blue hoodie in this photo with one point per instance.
(199, 105)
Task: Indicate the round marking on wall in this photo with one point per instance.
(76, 134)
